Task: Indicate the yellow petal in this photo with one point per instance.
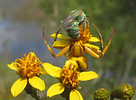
(37, 83)
(61, 43)
(18, 87)
(43, 71)
(75, 95)
(52, 70)
(85, 76)
(55, 90)
(94, 39)
(31, 54)
(12, 66)
(59, 36)
(91, 46)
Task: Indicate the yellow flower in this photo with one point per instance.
(82, 64)
(69, 79)
(78, 47)
(29, 70)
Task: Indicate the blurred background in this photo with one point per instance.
(21, 23)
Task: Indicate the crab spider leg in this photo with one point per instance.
(94, 52)
(103, 50)
(62, 52)
(56, 35)
(108, 44)
(88, 16)
(91, 52)
(101, 40)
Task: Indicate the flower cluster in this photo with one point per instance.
(77, 48)
(29, 68)
(75, 67)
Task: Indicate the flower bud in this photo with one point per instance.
(82, 63)
(101, 94)
(124, 91)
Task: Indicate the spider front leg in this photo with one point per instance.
(103, 51)
(56, 35)
(62, 52)
(91, 52)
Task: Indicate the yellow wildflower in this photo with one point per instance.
(69, 79)
(78, 47)
(75, 48)
(29, 70)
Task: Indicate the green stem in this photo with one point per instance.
(111, 98)
(36, 97)
(67, 98)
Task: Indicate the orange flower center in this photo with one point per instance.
(69, 77)
(84, 34)
(28, 66)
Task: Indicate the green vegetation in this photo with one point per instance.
(116, 67)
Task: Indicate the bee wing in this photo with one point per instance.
(68, 22)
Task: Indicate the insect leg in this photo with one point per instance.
(91, 52)
(62, 52)
(103, 50)
(101, 40)
(89, 16)
(56, 35)
(108, 44)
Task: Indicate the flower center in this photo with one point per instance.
(28, 66)
(70, 77)
(84, 34)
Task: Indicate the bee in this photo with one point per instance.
(72, 23)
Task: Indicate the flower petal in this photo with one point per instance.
(61, 43)
(43, 71)
(75, 95)
(37, 83)
(59, 36)
(12, 66)
(94, 39)
(52, 70)
(85, 76)
(18, 86)
(55, 89)
(92, 46)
